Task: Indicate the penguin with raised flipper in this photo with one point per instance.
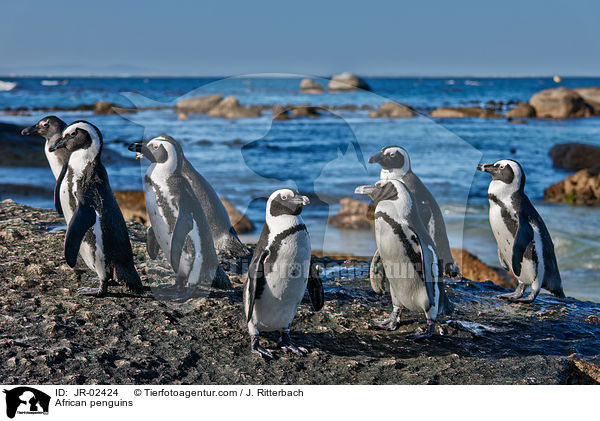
(96, 229)
(280, 272)
(524, 244)
(395, 165)
(408, 256)
(179, 226)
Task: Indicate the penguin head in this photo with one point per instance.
(392, 158)
(286, 202)
(79, 135)
(382, 190)
(506, 171)
(48, 127)
(161, 149)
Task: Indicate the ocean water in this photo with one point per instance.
(326, 157)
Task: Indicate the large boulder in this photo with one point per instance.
(105, 107)
(309, 86)
(347, 82)
(581, 188)
(392, 109)
(354, 214)
(522, 110)
(463, 112)
(574, 156)
(230, 107)
(559, 103)
(240, 223)
(473, 268)
(591, 95)
(199, 104)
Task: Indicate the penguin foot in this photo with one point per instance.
(511, 296)
(419, 336)
(92, 292)
(285, 343)
(256, 348)
(391, 323)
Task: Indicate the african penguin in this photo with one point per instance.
(524, 244)
(408, 256)
(280, 272)
(179, 225)
(51, 128)
(395, 165)
(96, 228)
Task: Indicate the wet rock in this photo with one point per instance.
(574, 156)
(473, 268)
(240, 222)
(230, 107)
(392, 109)
(309, 86)
(591, 95)
(581, 188)
(559, 103)
(104, 107)
(463, 112)
(522, 110)
(305, 111)
(347, 82)
(354, 214)
(201, 104)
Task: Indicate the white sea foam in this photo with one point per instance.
(7, 86)
(53, 82)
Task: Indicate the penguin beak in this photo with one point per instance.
(137, 147)
(375, 158)
(300, 200)
(60, 143)
(365, 189)
(489, 168)
(28, 131)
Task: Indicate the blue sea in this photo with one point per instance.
(325, 157)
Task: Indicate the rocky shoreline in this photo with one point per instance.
(49, 334)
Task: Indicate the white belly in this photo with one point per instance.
(504, 238)
(55, 164)
(285, 286)
(406, 287)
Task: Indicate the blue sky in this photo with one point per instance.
(221, 38)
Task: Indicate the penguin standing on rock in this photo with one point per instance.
(395, 165)
(524, 244)
(96, 229)
(280, 272)
(51, 128)
(179, 225)
(408, 256)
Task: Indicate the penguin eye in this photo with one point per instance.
(284, 196)
(44, 124)
(154, 146)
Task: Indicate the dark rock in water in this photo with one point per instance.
(104, 107)
(28, 151)
(559, 103)
(392, 109)
(591, 95)
(309, 86)
(464, 112)
(52, 335)
(522, 110)
(581, 188)
(347, 82)
(354, 214)
(201, 104)
(574, 156)
(473, 268)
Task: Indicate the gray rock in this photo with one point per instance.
(559, 103)
(347, 82)
(309, 86)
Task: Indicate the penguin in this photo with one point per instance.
(280, 272)
(408, 255)
(524, 244)
(96, 228)
(395, 165)
(179, 226)
(51, 128)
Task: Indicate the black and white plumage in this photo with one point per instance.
(408, 255)
(395, 165)
(179, 226)
(280, 272)
(51, 128)
(524, 244)
(96, 228)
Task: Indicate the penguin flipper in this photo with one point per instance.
(151, 244)
(523, 237)
(183, 226)
(377, 274)
(83, 219)
(59, 180)
(256, 277)
(429, 271)
(315, 287)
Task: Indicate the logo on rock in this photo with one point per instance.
(26, 400)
